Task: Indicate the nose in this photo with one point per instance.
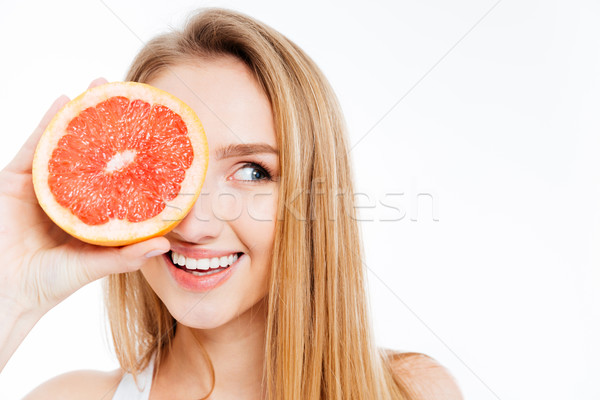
(201, 224)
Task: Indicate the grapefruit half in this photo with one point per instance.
(121, 163)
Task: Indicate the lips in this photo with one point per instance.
(200, 280)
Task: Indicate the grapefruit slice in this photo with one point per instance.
(121, 163)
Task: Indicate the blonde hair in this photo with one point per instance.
(319, 341)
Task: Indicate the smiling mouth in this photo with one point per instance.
(202, 266)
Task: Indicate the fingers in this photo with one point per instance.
(22, 161)
(106, 261)
(97, 82)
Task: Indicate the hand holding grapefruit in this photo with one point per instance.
(41, 263)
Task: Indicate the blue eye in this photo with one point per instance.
(252, 172)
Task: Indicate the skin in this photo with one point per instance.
(236, 212)
(42, 265)
(233, 213)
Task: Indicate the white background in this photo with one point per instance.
(502, 135)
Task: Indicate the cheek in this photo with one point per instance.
(251, 214)
(256, 225)
(262, 206)
(251, 219)
(255, 228)
(230, 205)
(154, 273)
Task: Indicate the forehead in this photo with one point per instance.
(226, 97)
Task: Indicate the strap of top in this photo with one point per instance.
(128, 390)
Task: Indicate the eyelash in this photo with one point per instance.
(267, 172)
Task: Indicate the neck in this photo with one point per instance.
(236, 351)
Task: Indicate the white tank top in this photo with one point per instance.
(128, 390)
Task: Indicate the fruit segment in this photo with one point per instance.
(120, 159)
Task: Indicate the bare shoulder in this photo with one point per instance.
(426, 377)
(84, 384)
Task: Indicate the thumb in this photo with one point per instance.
(105, 261)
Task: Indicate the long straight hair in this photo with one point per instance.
(319, 340)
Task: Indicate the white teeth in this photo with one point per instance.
(203, 264)
(190, 263)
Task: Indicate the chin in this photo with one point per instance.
(202, 316)
(209, 315)
(238, 300)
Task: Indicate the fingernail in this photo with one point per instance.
(154, 253)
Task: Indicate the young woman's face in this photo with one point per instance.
(235, 213)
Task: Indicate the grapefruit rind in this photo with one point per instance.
(121, 232)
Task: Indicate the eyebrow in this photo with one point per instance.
(245, 149)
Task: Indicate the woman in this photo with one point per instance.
(288, 320)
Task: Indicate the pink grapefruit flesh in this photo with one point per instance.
(121, 163)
